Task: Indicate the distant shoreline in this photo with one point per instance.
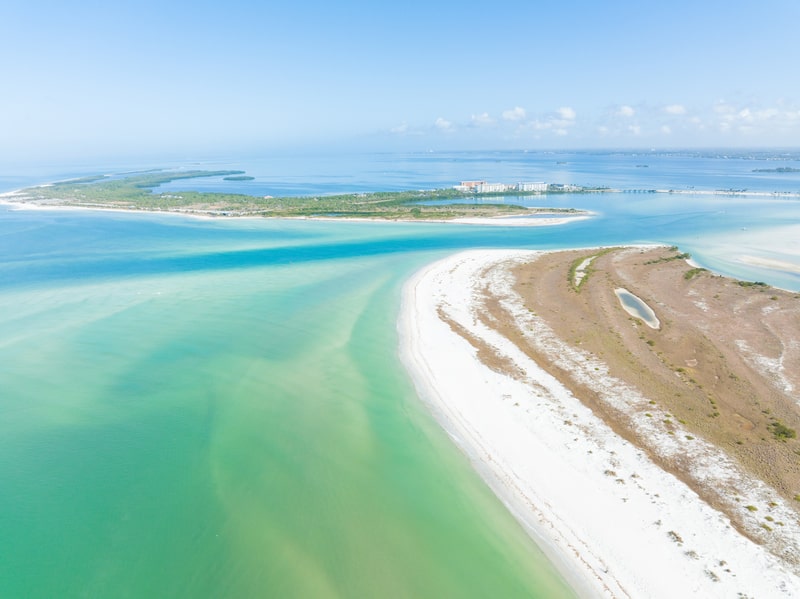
(541, 218)
(134, 192)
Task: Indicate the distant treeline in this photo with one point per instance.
(780, 169)
(136, 192)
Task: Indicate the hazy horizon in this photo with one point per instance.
(199, 80)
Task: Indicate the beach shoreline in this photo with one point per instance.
(539, 219)
(590, 498)
(536, 523)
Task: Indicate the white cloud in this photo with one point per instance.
(538, 125)
(675, 109)
(717, 122)
(558, 123)
(482, 119)
(406, 130)
(443, 124)
(400, 129)
(770, 113)
(723, 108)
(567, 113)
(747, 119)
(515, 114)
(792, 116)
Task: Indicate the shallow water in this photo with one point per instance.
(216, 408)
(637, 308)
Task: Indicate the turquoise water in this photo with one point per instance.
(197, 408)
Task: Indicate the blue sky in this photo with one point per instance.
(88, 78)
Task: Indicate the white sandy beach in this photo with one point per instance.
(18, 205)
(521, 221)
(493, 221)
(540, 220)
(611, 520)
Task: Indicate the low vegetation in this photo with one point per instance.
(573, 268)
(138, 192)
(692, 273)
(782, 432)
(780, 169)
(752, 284)
(678, 256)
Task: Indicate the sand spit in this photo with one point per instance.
(521, 221)
(628, 500)
(19, 200)
(537, 220)
(779, 265)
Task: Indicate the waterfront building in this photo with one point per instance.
(538, 186)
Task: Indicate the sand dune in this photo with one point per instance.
(549, 426)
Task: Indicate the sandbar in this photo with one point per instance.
(555, 395)
(539, 219)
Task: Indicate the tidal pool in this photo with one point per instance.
(637, 308)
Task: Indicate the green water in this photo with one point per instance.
(216, 409)
(244, 431)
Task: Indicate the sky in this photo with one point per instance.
(88, 78)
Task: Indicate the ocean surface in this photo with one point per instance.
(215, 408)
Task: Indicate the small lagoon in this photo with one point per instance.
(637, 308)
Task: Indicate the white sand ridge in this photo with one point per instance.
(616, 523)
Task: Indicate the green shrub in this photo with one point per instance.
(751, 284)
(781, 431)
(690, 274)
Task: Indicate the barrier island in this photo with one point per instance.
(138, 191)
(647, 461)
